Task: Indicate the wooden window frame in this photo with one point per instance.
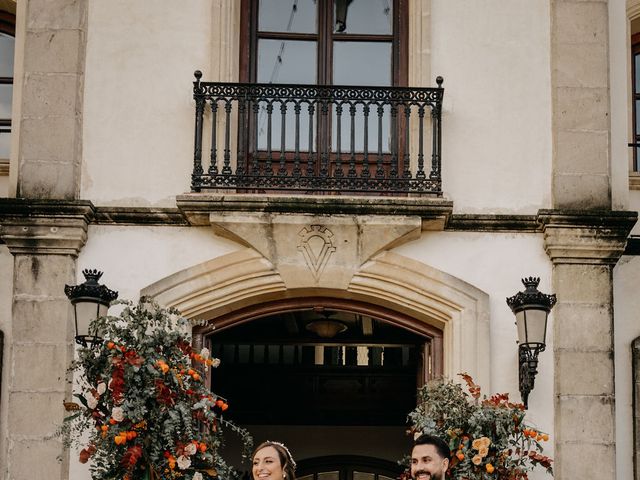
(399, 38)
(635, 50)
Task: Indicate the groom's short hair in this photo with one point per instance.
(440, 445)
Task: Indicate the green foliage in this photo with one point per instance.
(488, 438)
(144, 401)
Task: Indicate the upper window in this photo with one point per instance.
(325, 42)
(7, 41)
(635, 64)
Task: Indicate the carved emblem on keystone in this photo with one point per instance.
(316, 247)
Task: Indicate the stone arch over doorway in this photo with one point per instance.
(245, 281)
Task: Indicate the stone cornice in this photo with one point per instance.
(586, 237)
(139, 216)
(44, 227)
(433, 211)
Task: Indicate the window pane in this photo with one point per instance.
(363, 16)
(6, 55)
(636, 62)
(6, 92)
(297, 16)
(5, 145)
(637, 117)
(362, 63)
(286, 61)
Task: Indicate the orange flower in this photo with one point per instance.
(545, 437)
(202, 447)
(460, 455)
(172, 462)
(483, 452)
(489, 468)
(477, 460)
(482, 442)
(111, 345)
(120, 439)
(196, 376)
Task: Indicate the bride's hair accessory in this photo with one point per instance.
(290, 459)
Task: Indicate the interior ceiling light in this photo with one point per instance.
(326, 327)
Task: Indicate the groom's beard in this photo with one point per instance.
(432, 476)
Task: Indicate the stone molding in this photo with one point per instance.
(44, 227)
(585, 237)
(244, 279)
(433, 211)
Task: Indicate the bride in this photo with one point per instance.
(272, 461)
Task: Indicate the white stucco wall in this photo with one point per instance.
(494, 57)
(626, 305)
(134, 257)
(138, 111)
(495, 263)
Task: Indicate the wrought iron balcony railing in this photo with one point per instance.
(317, 139)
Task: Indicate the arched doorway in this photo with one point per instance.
(346, 392)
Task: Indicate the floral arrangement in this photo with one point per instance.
(144, 401)
(488, 438)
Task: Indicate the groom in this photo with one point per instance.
(429, 458)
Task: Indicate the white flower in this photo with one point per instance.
(102, 387)
(117, 414)
(183, 462)
(197, 476)
(216, 362)
(92, 402)
(190, 449)
(205, 353)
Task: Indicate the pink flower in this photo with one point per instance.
(197, 476)
(102, 387)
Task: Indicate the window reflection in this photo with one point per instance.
(6, 92)
(297, 16)
(363, 16)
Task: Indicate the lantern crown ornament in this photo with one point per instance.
(90, 300)
(531, 309)
(531, 297)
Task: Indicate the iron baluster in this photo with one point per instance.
(420, 172)
(324, 156)
(242, 139)
(255, 165)
(268, 170)
(213, 163)
(393, 173)
(338, 172)
(282, 169)
(406, 162)
(196, 176)
(310, 169)
(227, 135)
(365, 154)
(296, 156)
(352, 157)
(380, 169)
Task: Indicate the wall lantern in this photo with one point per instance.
(90, 300)
(531, 309)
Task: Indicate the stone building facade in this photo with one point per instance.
(536, 179)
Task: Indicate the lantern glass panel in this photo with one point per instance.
(86, 312)
(532, 326)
